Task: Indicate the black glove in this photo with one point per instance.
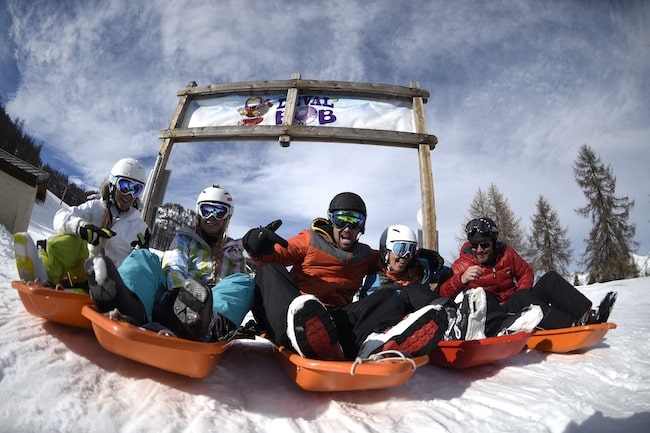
(260, 241)
(435, 261)
(91, 233)
(142, 240)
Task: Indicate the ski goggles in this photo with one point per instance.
(347, 218)
(404, 249)
(128, 186)
(217, 210)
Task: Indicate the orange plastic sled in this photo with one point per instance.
(324, 376)
(471, 353)
(61, 306)
(569, 339)
(177, 355)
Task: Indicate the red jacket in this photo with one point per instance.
(322, 269)
(509, 274)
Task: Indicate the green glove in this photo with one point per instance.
(142, 240)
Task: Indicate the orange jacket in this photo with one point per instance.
(322, 269)
(509, 274)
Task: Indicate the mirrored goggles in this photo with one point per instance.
(403, 249)
(128, 186)
(347, 218)
(217, 210)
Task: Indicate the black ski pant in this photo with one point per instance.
(275, 289)
(416, 296)
(561, 303)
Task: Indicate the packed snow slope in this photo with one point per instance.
(55, 378)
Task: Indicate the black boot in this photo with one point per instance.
(221, 328)
(108, 291)
(589, 318)
(605, 307)
(186, 311)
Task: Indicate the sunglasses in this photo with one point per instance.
(128, 186)
(403, 249)
(347, 218)
(484, 245)
(216, 210)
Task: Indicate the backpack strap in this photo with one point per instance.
(323, 227)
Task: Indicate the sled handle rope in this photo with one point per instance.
(387, 355)
(41, 310)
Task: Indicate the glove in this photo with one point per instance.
(435, 261)
(142, 240)
(260, 241)
(91, 233)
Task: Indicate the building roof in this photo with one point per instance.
(22, 170)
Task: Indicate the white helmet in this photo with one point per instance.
(128, 167)
(395, 233)
(215, 194)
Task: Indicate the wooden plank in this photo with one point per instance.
(301, 133)
(342, 88)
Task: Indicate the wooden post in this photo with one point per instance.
(290, 110)
(430, 239)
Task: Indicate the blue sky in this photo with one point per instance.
(516, 88)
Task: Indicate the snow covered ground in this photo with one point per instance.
(55, 378)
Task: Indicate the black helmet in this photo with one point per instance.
(348, 201)
(481, 230)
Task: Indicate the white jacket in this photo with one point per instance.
(126, 226)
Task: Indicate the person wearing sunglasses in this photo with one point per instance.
(416, 274)
(408, 271)
(310, 307)
(486, 262)
(108, 223)
(199, 291)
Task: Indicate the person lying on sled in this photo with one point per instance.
(415, 273)
(200, 291)
(108, 223)
(486, 262)
(309, 308)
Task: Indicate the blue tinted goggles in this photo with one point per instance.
(404, 249)
(217, 210)
(347, 218)
(128, 186)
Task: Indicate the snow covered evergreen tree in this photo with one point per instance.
(169, 218)
(549, 247)
(608, 255)
(494, 205)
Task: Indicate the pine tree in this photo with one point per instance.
(169, 218)
(608, 255)
(494, 205)
(549, 247)
(14, 140)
